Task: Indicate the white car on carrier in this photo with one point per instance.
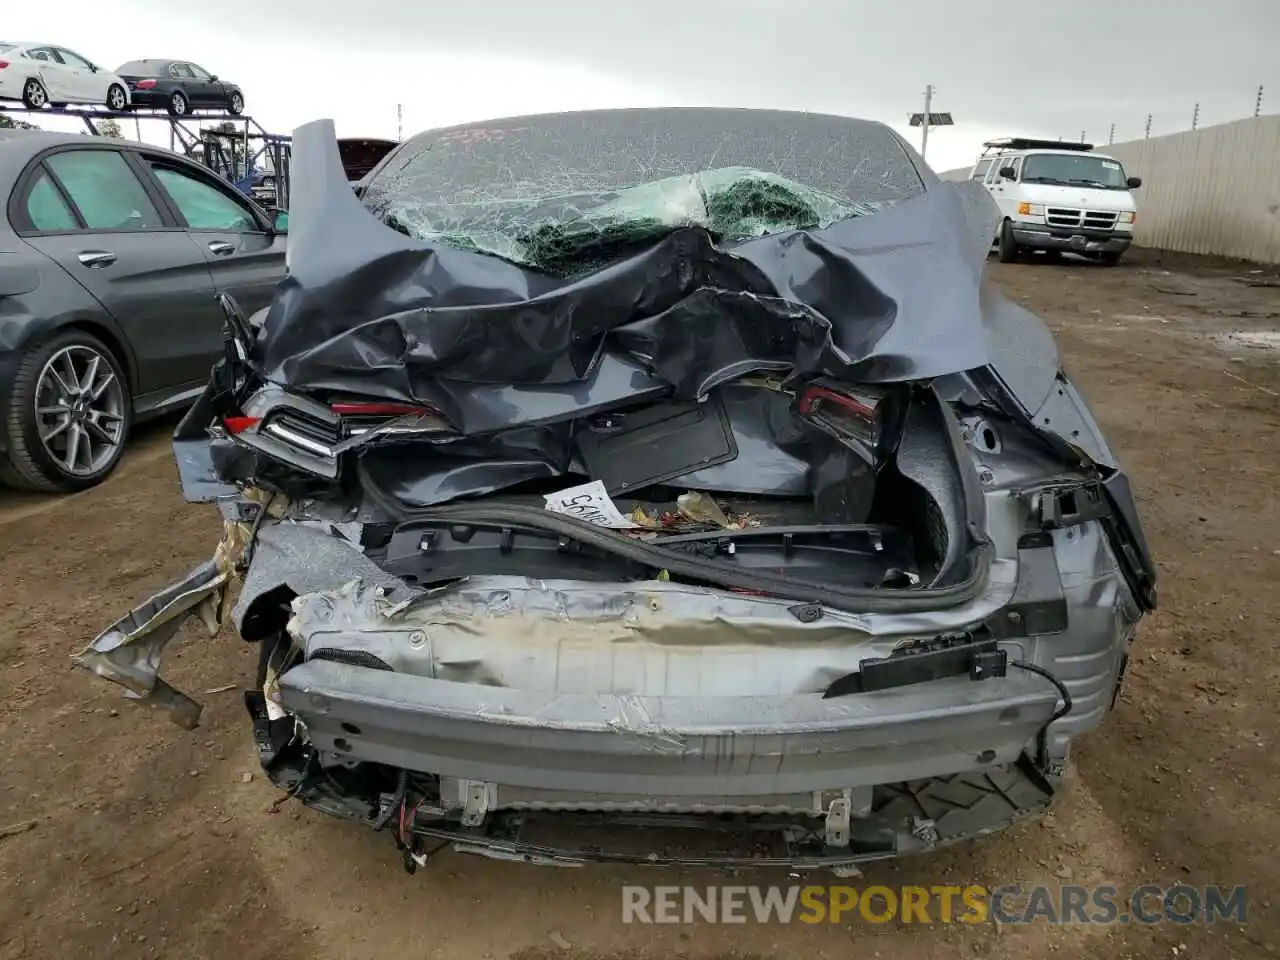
(44, 74)
(1058, 197)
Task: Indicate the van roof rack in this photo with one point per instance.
(1027, 143)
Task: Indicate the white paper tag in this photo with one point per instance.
(591, 503)
(1110, 165)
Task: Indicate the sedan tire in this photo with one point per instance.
(179, 106)
(117, 99)
(235, 104)
(34, 96)
(69, 417)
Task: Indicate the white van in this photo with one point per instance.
(1058, 197)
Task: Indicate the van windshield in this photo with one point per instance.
(1068, 169)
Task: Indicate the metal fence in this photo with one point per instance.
(1213, 191)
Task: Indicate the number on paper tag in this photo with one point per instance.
(589, 502)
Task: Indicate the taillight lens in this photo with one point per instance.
(856, 415)
(811, 399)
(145, 84)
(236, 425)
(3, 64)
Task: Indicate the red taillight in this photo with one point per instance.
(3, 64)
(236, 425)
(812, 397)
(372, 409)
(145, 84)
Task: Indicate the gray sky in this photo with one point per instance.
(1049, 67)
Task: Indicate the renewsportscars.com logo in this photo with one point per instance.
(974, 904)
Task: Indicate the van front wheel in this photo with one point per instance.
(1008, 249)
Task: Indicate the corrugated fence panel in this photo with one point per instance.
(1213, 191)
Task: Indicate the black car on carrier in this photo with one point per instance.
(178, 86)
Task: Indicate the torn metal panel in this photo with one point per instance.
(425, 322)
(129, 651)
(308, 559)
(643, 639)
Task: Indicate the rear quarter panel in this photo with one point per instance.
(55, 302)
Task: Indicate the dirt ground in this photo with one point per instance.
(155, 842)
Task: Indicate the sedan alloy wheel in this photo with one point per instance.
(34, 95)
(80, 411)
(70, 413)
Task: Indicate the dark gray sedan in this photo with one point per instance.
(111, 253)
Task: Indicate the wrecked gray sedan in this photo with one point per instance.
(663, 486)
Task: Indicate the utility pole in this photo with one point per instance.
(1111, 137)
(1257, 104)
(1195, 117)
(929, 119)
(1082, 136)
(1147, 135)
(399, 121)
(924, 126)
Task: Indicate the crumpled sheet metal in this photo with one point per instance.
(562, 636)
(130, 650)
(777, 456)
(888, 297)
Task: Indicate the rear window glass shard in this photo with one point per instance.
(569, 192)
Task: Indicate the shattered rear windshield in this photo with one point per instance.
(565, 192)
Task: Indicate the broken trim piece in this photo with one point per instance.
(129, 651)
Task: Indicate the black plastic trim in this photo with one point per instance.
(836, 597)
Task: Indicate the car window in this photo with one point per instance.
(197, 72)
(73, 59)
(993, 175)
(203, 206)
(608, 178)
(180, 70)
(980, 171)
(107, 193)
(45, 207)
(48, 54)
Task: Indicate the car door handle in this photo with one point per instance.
(97, 259)
(222, 248)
